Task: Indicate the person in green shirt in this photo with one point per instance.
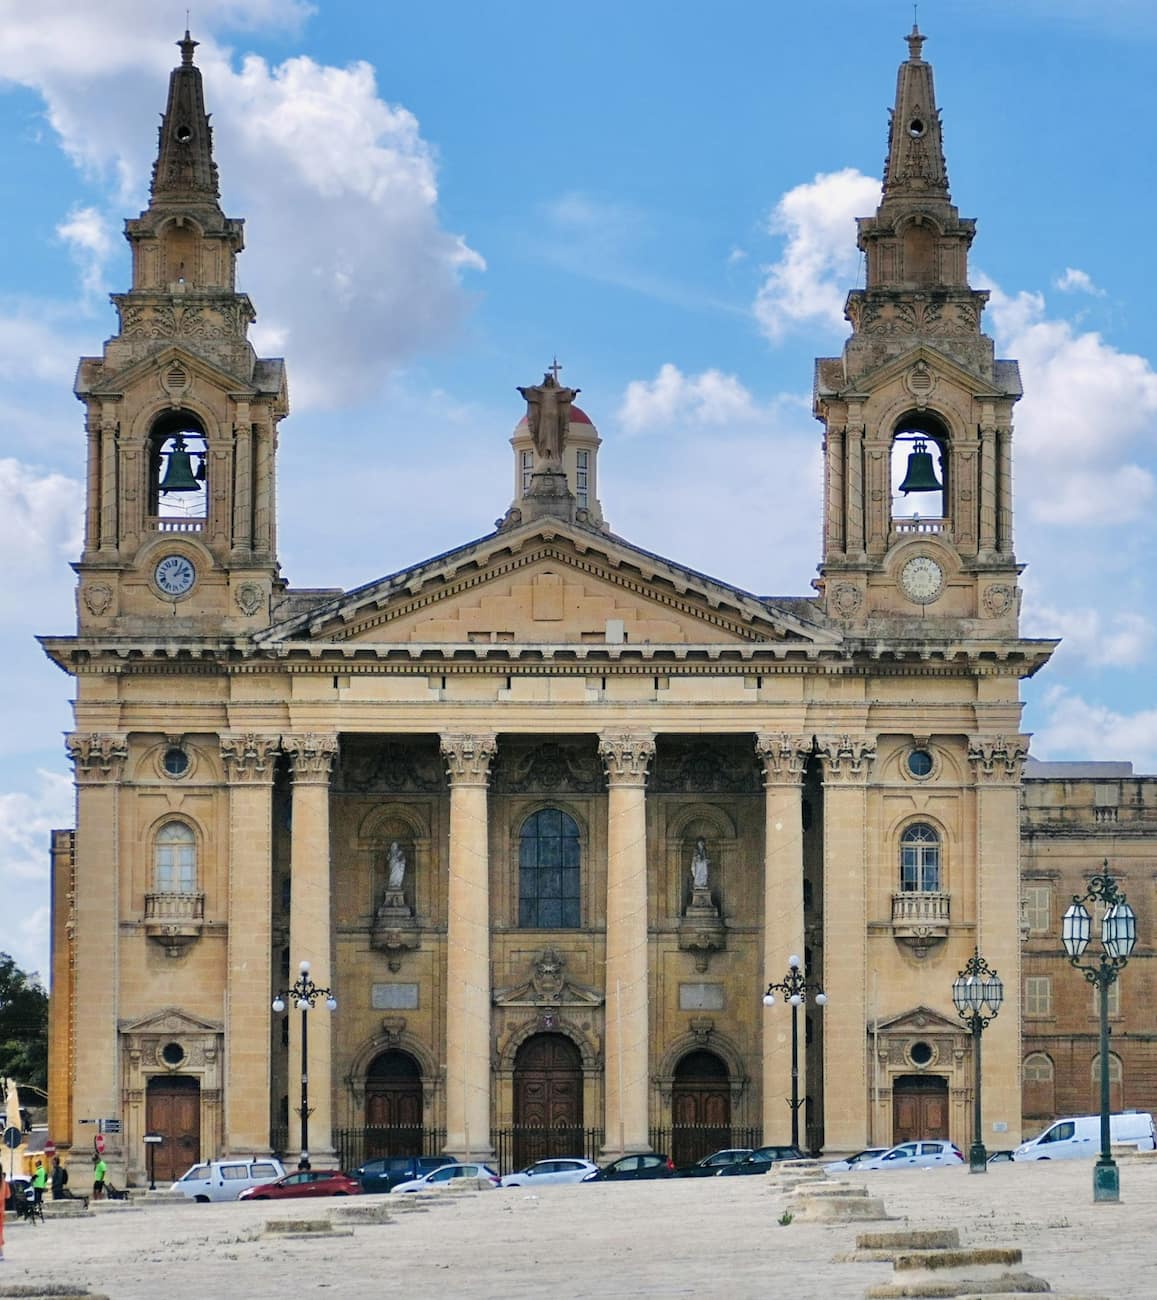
(99, 1170)
(39, 1181)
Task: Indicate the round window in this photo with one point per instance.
(176, 761)
(919, 762)
(172, 1053)
(184, 134)
(916, 128)
(921, 1053)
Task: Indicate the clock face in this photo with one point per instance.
(175, 575)
(922, 578)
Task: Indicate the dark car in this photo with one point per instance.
(384, 1173)
(308, 1182)
(761, 1160)
(648, 1165)
(1000, 1157)
(711, 1165)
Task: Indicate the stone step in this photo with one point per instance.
(827, 1189)
(838, 1209)
(914, 1238)
(941, 1263)
(298, 1229)
(1008, 1284)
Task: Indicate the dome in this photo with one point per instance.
(577, 416)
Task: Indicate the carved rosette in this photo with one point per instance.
(468, 758)
(248, 757)
(997, 760)
(627, 757)
(97, 757)
(311, 757)
(846, 758)
(782, 756)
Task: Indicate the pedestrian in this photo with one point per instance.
(39, 1182)
(59, 1180)
(99, 1170)
(4, 1190)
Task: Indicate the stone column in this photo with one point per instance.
(625, 1081)
(263, 472)
(311, 759)
(987, 489)
(1004, 490)
(92, 509)
(99, 767)
(248, 761)
(847, 761)
(109, 481)
(834, 491)
(854, 449)
(782, 757)
(996, 763)
(243, 481)
(468, 1022)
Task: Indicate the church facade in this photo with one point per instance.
(548, 812)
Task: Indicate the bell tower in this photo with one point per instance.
(181, 414)
(917, 412)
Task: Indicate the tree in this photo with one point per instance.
(23, 1025)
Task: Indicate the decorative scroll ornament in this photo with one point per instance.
(997, 758)
(548, 985)
(97, 597)
(549, 768)
(96, 756)
(311, 755)
(698, 767)
(468, 758)
(250, 597)
(248, 756)
(846, 756)
(783, 756)
(627, 757)
(999, 598)
(846, 599)
(390, 768)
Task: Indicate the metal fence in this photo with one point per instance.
(355, 1146)
(686, 1143)
(522, 1144)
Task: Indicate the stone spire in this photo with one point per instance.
(915, 162)
(185, 172)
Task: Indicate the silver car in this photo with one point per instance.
(854, 1161)
(916, 1155)
(568, 1170)
(440, 1177)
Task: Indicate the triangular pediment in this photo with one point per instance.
(947, 369)
(919, 1020)
(108, 383)
(549, 583)
(170, 1020)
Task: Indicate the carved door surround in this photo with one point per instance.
(920, 1044)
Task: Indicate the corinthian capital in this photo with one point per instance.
(468, 757)
(248, 757)
(783, 757)
(846, 758)
(311, 756)
(997, 758)
(627, 757)
(97, 756)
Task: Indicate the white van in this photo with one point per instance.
(1081, 1136)
(225, 1180)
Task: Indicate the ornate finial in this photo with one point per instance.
(554, 368)
(915, 41)
(187, 46)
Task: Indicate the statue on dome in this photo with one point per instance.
(548, 418)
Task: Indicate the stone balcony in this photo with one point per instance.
(920, 919)
(174, 920)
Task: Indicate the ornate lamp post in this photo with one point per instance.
(795, 989)
(304, 992)
(977, 992)
(1118, 938)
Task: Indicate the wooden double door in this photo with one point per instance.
(700, 1108)
(173, 1109)
(548, 1100)
(919, 1107)
(394, 1106)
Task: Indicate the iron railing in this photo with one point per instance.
(687, 1143)
(522, 1144)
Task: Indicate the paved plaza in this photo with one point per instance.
(700, 1237)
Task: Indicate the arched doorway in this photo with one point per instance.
(919, 1107)
(548, 1099)
(700, 1107)
(393, 1106)
(173, 1109)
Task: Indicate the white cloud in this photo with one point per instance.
(1100, 639)
(809, 283)
(302, 147)
(673, 398)
(1078, 729)
(1075, 281)
(87, 235)
(40, 520)
(26, 820)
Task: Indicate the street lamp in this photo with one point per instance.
(976, 990)
(1118, 938)
(304, 992)
(795, 989)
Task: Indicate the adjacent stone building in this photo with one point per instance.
(548, 811)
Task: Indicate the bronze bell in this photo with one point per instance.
(179, 476)
(921, 475)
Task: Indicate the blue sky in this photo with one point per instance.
(441, 197)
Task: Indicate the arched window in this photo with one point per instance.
(175, 860)
(548, 872)
(178, 463)
(919, 486)
(1038, 1068)
(920, 859)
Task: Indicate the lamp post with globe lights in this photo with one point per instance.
(977, 992)
(794, 987)
(304, 993)
(1118, 938)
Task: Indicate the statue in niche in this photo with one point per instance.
(397, 868)
(548, 417)
(700, 864)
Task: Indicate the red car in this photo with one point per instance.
(310, 1182)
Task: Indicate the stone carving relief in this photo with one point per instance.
(395, 931)
(782, 755)
(999, 598)
(97, 597)
(691, 767)
(846, 757)
(548, 768)
(248, 756)
(97, 757)
(548, 985)
(627, 757)
(997, 758)
(391, 768)
(166, 320)
(846, 599)
(250, 597)
(922, 316)
(548, 417)
(311, 755)
(468, 758)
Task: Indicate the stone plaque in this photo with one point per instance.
(394, 997)
(699, 997)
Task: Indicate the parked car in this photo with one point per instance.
(711, 1165)
(385, 1172)
(760, 1161)
(225, 1180)
(305, 1182)
(916, 1155)
(1000, 1157)
(1080, 1135)
(440, 1177)
(563, 1170)
(648, 1165)
(853, 1161)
